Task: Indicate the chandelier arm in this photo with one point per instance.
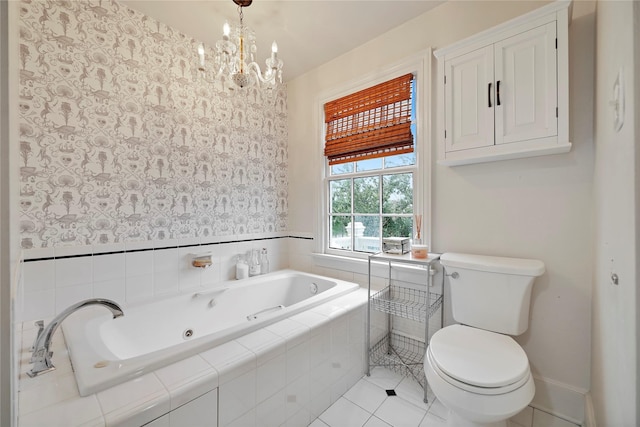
(254, 68)
(235, 57)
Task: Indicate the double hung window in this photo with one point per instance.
(371, 166)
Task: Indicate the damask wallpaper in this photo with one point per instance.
(121, 141)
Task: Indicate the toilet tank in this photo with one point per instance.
(491, 293)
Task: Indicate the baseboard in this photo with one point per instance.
(559, 399)
(589, 412)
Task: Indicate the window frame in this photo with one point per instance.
(380, 173)
(420, 66)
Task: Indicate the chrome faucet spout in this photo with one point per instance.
(41, 357)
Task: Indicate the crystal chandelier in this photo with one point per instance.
(235, 56)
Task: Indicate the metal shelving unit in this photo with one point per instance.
(396, 351)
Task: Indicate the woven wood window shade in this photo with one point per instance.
(373, 122)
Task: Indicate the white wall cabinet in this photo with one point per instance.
(504, 92)
(200, 412)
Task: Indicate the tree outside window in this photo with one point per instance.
(366, 208)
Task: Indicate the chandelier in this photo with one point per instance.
(235, 57)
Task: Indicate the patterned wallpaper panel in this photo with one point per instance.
(121, 141)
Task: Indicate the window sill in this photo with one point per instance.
(406, 273)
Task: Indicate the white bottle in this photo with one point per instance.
(254, 263)
(242, 269)
(264, 261)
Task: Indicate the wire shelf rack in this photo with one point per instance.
(406, 302)
(400, 354)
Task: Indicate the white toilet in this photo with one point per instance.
(475, 368)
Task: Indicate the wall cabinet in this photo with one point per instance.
(504, 92)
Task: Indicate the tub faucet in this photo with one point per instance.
(41, 357)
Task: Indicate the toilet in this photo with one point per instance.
(476, 370)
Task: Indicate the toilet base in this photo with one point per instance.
(455, 420)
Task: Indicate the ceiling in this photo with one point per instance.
(309, 32)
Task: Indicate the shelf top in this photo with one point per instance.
(405, 258)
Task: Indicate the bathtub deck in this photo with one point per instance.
(291, 363)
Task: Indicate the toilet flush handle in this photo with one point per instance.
(454, 275)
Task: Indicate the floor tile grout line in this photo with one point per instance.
(412, 402)
(408, 401)
(377, 407)
(383, 389)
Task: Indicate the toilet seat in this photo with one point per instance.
(478, 361)
(475, 389)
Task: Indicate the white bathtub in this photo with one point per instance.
(105, 351)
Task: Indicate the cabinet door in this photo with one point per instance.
(526, 86)
(200, 412)
(163, 421)
(469, 100)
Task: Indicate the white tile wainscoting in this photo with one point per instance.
(131, 273)
(283, 375)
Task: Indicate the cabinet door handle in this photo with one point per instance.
(498, 92)
(489, 95)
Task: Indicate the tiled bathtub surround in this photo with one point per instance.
(286, 374)
(129, 273)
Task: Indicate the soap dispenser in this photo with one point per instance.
(254, 263)
(264, 261)
(242, 268)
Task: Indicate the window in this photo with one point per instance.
(371, 167)
(369, 200)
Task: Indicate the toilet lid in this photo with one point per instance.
(478, 357)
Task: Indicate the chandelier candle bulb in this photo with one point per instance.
(226, 30)
(201, 56)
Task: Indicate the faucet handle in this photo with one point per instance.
(41, 363)
(40, 325)
(40, 355)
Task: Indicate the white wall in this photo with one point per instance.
(614, 348)
(9, 249)
(5, 260)
(536, 208)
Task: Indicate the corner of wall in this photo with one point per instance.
(589, 412)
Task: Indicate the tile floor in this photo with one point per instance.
(367, 404)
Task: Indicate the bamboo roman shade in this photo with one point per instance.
(373, 122)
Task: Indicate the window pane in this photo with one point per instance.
(396, 226)
(366, 195)
(340, 232)
(369, 165)
(408, 159)
(397, 193)
(367, 233)
(342, 168)
(340, 196)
